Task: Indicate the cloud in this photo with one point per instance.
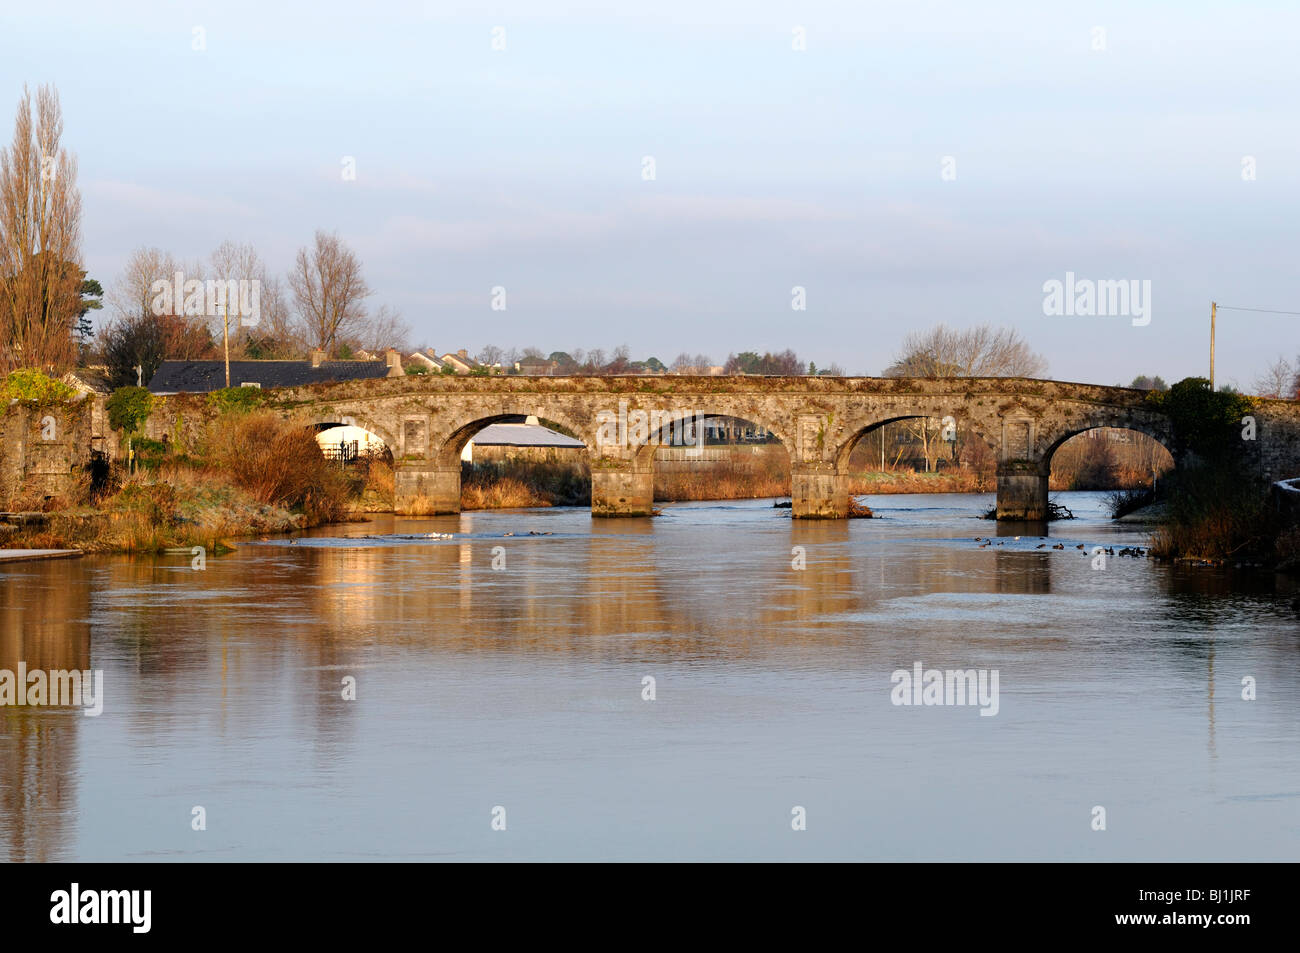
(142, 201)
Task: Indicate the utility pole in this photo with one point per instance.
(225, 340)
(1214, 307)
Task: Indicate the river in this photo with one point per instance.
(517, 696)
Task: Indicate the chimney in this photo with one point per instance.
(317, 355)
(462, 355)
(432, 352)
(394, 363)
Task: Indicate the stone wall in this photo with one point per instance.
(426, 421)
(47, 448)
(1277, 439)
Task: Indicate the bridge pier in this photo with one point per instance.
(818, 492)
(621, 489)
(1022, 492)
(423, 489)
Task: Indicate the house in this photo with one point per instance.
(733, 430)
(199, 377)
(427, 359)
(460, 362)
(497, 443)
(89, 380)
(536, 367)
(701, 370)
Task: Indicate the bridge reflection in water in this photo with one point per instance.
(45, 609)
(223, 686)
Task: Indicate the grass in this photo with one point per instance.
(518, 483)
(254, 474)
(743, 476)
(1217, 514)
(1123, 502)
(908, 481)
(859, 511)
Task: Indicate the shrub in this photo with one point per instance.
(278, 462)
(236, 400)
(1215, 513)
(1123, 502)
(524, 483)
(35, 385)
(150, 453)
(1205, 422)
(129, 408)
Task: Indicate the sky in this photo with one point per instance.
(911, 164)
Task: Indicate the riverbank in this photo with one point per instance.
(150, 515)
(246, 474)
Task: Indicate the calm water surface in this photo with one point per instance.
(522, 688)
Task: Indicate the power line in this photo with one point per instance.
(1224, 307)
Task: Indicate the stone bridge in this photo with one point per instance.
(427, 420)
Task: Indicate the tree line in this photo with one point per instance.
(320, 304)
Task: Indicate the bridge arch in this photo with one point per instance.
(687, 432)
(686, 422)
(859, 430)
(447, 451)
(1162, 461)
(321, 421)
(1158, 434)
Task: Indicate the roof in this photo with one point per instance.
(89, 380)
(427, 359)
(198, 377)
(523, 435)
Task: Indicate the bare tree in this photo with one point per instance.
(384, 329)
(132, 346)
(40, 239)
(490, 355)
(686, 364)
(328, 291)
(1278, 380)
(132, 292)
(983, 351)
(232, 268)
(146, 326)
(926, 430)
(277, 335)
